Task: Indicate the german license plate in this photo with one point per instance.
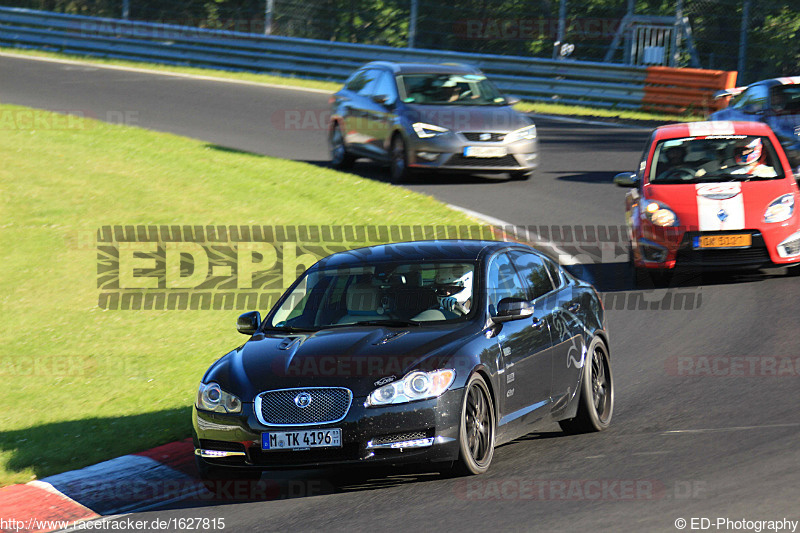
(301, 440)
(485, 151)
(742, 240)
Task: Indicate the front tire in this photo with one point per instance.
(477, 429)
(521, 175)
(341, 159)
(596, 401)
(398, 163)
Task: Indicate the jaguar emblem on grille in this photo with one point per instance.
(486, 136)
(302, 400)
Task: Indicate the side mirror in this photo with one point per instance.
(731, 91)
(626, 179)
(512, 100)
(513, 309)
(248, 323)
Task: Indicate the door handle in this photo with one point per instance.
(537, 323)
(574, 308)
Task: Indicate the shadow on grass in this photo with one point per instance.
(230, 150)
(57, 447)
(138, 485)
(365, 168)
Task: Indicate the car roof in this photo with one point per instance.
(702, 129)
(417, 251)
(772, 82)
(787, 80)
(424, 68)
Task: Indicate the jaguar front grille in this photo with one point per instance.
(303, 406)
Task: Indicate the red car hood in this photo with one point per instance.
(719, 206)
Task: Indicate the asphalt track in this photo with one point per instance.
(681, 446)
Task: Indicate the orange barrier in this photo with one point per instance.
(678, 90)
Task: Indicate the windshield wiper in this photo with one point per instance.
(385, 322)
(289, 329)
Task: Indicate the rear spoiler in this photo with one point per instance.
(733, 91)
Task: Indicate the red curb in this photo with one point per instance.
(30, 505)
(178, 455)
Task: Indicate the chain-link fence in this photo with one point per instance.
(760, 38)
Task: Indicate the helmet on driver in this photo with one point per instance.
(453, 279)
(749, 153)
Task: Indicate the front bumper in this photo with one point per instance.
(446, 152)
(417, 432)
(668, 249)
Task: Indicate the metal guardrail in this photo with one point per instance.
(571, 82)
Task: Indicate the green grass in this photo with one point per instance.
(83, 384)
(527, 107)
(614, 114)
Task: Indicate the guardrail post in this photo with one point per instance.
(676, 35)
(743, 39)
(412, 24)
(626, 50)
(562, 23)
(126, 9)
(268, 8)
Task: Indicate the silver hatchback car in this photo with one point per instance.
(423, 117)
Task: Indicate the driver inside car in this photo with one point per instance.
(675, 156)
(450, 92)
(453, 288)
(675, 159)
(748, 158)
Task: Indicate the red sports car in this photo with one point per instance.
(712, 195)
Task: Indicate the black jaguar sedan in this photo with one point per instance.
(419, 352)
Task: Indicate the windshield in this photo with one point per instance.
(785, 99)
(713, 159)
(393, 294)
(448, 89)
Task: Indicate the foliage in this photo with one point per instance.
(509, 27)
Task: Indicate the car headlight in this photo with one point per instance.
(660, 214)
(527, 133)
(415, 386)
(211, 397)
(425, 131)
(780, 209)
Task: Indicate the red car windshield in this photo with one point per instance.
(713, 159)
